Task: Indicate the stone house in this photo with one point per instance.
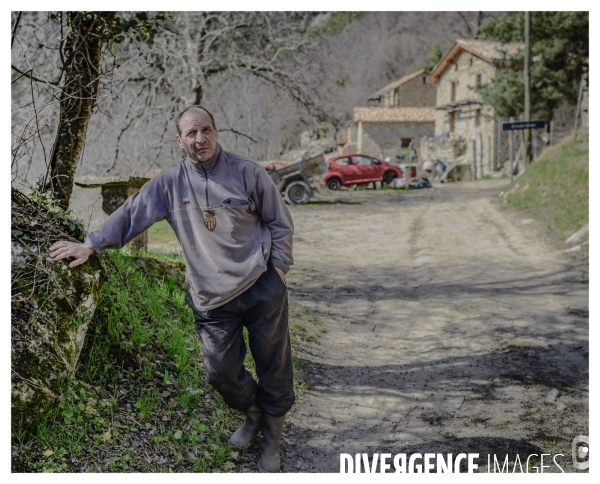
(393, 128)
(397, 115)
(466, 131)
(411, 90)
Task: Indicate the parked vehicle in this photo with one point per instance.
(358, 170)
(294, 181)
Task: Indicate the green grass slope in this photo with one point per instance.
(555, 188)
(139, 401)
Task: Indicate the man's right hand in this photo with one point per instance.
(63, 249)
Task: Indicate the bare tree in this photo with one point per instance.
(79, 38)
(198, 54)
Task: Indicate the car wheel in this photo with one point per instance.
(388, 177)
(297, 193)
(334, 184)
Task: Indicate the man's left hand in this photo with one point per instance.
(63, 249)
(281, 274)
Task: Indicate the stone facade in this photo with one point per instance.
(471, 121)
(397, 115)
(460, 114)
(393, 129)
(391, 137)
(443, 149)
(408, 91)
(348, 144)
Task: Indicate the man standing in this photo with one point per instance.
(236, 236)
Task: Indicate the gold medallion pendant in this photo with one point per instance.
(210, 220)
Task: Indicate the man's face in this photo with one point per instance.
(198, 136)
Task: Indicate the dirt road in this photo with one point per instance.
(452, 326)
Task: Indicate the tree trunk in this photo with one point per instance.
(199, 92)
(78, 96)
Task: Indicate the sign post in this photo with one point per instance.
(511, 147)
(499, 147)
(512, 126)
(519, 125)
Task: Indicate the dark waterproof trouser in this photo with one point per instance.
(263, 309)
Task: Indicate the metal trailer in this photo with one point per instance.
(297, 181)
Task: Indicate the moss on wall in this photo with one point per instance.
(51, 306)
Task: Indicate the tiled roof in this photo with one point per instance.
(491, 51)
(394, 115)
(395, 84)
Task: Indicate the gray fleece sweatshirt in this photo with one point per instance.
(229, 219)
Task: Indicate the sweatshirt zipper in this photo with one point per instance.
(205, 184)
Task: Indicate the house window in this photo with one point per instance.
(470, 61)
(451, 116)
(478, 80)
(396, 98)
(477, 118)
(405, 142)
(453, 92)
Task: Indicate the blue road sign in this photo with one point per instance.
(538, 124)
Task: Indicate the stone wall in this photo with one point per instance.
(413, 93)
(446, 150)
(463, 73)
(417, 93)
(388, 136)
(51, 307)
(348, 144)
(473, 122)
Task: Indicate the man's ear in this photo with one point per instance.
(179, 142)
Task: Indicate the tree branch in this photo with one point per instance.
(236, 132)
(14, 32)
(28, 74)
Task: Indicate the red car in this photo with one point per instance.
(358, 169)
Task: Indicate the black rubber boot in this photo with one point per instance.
(269, 460)
(245, 436)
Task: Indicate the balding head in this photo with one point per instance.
(189, 108)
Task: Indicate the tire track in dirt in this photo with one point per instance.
(448, 329)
